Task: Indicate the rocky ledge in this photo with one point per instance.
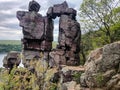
(102, 68)
(100, 72)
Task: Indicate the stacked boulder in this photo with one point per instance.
(37, 32)
(102, 68)
(11, 59)
(67, 51)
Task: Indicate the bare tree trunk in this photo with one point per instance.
(108, 33)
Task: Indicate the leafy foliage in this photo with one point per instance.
(99, 15)
(54, 44)
(100, 24)
(24, 79)
(99, 79)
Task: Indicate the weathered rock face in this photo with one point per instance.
(61, 57)
(34, 6)
(69, 35)
(71, 73)
(32, 23)
(60, 9)
(38, 34)
(12, 58)
(71, 86)
(67, 76)
(114, 82)
(28, 55)
(36, 31)
(102, 67)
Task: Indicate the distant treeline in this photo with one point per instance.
(10, 45)
(14, 45)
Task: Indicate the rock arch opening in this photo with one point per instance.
(55, 32)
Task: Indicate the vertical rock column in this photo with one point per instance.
(37, 33)
(67, 51)
(69, 39)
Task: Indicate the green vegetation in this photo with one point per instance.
(11, 42)
(100, 15)
(99, 79)
(24, 79)
(10, 45)
(18, 79)
(54, 44)
(100, 23)
(14, 45)
(76, 76)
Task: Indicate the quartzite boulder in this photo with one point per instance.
(37, 30)
(11, 59)
(60, 9)
(114, 83)
(101, 66)
(57, 10)
(29, 55)
(34, 6)
(57, 58)
(61, 57)
(38, 34)
(32, 23)
(48, 33)
(69, 41)
(72, 85)
(69, 33)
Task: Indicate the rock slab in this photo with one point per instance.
(102, 68)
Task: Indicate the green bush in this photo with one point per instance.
(99, 79)
(23, 79)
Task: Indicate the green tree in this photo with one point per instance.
(100, 24)
(100, 15)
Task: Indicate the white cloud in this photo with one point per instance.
(6, 11)
(56, 32)
(10, 34)
(10, 24)
(9, 21)
(56, 26)
(7, 36)
(8, 0)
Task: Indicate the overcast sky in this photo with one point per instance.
(9, 25)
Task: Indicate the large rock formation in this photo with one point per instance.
(35, 30)
(102, 68)
(38, 34)
(67, 51)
